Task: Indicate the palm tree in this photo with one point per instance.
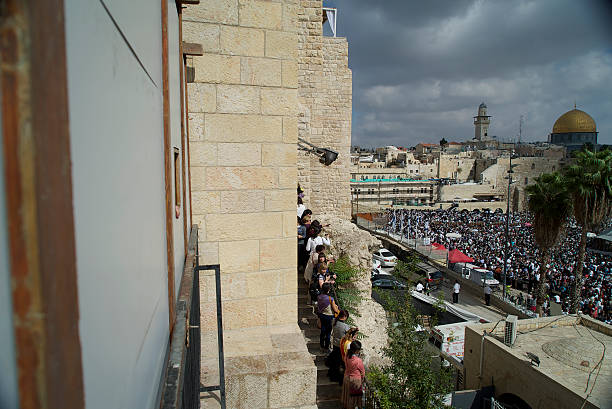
(550, 203)
(590, 182)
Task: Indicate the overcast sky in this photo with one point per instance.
(421, 68)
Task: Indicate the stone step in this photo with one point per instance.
(329, 404)
(304, 308)
(322, 378)
(329, 392)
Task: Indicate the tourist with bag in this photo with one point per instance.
(327, 309)
(354, 375)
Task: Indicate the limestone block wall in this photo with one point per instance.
(325, 97)
(243, 125)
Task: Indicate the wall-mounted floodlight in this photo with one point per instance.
(326, 156)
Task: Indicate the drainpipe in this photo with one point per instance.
(481, 358)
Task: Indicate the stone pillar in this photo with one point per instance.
(243, 126)
(325, 97)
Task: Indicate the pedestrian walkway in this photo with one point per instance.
(328, 392)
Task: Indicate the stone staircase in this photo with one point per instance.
(328, 392)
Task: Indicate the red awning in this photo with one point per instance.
(438, 246)
(455, 256)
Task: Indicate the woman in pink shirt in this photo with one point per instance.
(354, 374)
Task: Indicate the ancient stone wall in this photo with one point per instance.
(325, 97)
(243, 126)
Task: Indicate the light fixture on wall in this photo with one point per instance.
(326, 156)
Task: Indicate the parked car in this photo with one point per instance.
(388, 281)
(385, 257)
(486, 277)
(434, 279)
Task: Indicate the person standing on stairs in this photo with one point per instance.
(352, 386)
(327, 309)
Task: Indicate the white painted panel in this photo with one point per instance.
(8, 370)
(140, 22)
(118, 186)
(174, 63)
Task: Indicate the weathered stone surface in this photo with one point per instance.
(260, 71)
(196, 126)
(280, 200)
(290, 129)
(201, 97)
(220, 178)
(225, 227)
(293, 388)
(280, 44)
(247, 201)
(239, 256)
(290, 74)
(242, 41)
(278, 253)
(279, 101)
(347, 239)
(282, 309)
(202, 154)
(279, 154)
(287, 177)
(237, 99)
(215, 68)
(239, 154)
(244, 313)
(218, 11)
(206, 202)
(202, 33)
(243, 128)
(261, 14)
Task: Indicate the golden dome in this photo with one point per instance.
(574, 121)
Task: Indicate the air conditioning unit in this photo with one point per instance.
(510, 331)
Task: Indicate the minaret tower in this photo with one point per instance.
(481, 123)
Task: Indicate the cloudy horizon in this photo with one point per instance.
(420, 69)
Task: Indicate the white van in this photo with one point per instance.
(450, 339)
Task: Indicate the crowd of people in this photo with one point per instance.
(337, 339)
(481, 236)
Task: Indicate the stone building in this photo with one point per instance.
(266, 76)
(379, 193)
(481, 123)
(570, 350)
(574, 129)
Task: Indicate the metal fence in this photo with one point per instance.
(379, 225)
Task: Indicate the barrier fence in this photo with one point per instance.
(378, 224)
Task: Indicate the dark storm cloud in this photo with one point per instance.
(420, 68)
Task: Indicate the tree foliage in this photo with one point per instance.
(550, 203)
(590, 182)
(348, 296)
(408, 381)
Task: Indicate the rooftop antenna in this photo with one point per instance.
(520, 129)
(574, 104)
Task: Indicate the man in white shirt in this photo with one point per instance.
(456, 289)
(487, 295)
(419, 287)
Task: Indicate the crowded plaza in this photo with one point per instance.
(481, 235)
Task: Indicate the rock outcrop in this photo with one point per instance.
(358, 245)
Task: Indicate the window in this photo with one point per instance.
(533, 166)
(526, 180)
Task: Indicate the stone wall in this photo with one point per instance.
(325, 97)
(243, 120)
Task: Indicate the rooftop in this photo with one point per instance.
(573, 351)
